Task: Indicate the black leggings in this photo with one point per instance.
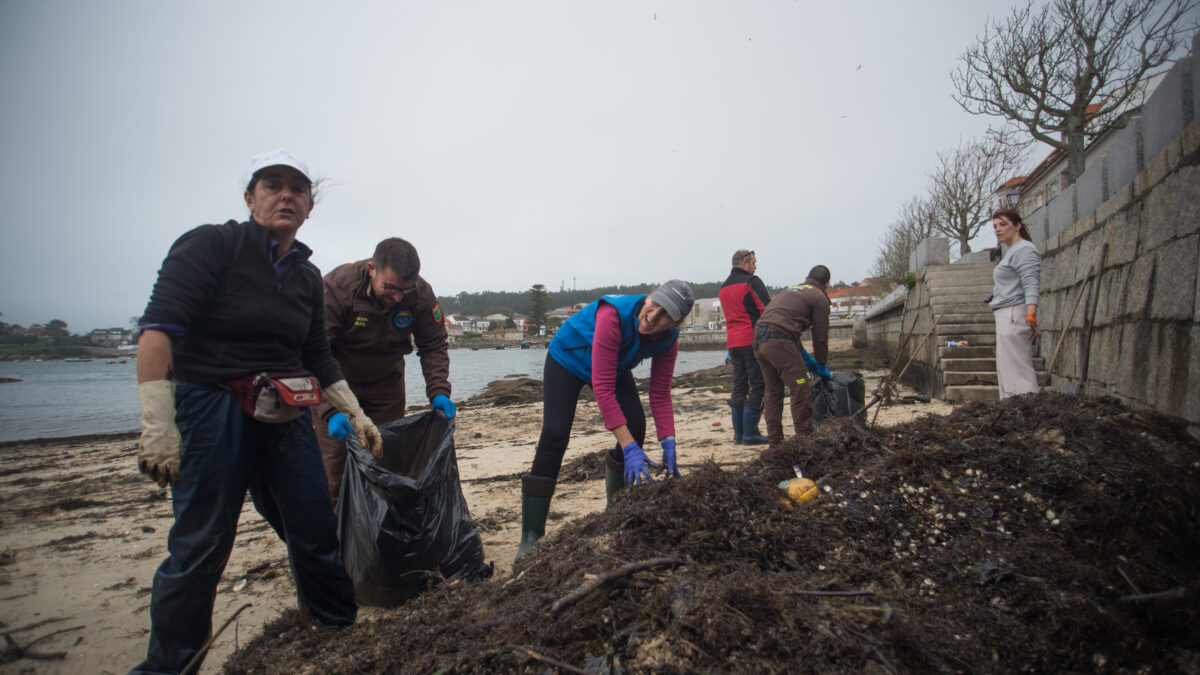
(560, 394)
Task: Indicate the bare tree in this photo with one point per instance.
(1067, 69)
(914, 222)
(962, 186)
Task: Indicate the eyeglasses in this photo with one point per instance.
(745, 255)
(393, 290)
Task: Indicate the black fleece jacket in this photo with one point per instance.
(238, 317)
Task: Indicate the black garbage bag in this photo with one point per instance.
(843, 396)
(403, 523)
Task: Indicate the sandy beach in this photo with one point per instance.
(81, 531)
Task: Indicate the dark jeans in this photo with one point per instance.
(225, 453)
(746, 376)
(560, 394)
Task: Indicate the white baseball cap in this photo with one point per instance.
(278, 157)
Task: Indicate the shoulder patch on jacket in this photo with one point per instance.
(437, 312)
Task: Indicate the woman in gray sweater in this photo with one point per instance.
(1016, 285)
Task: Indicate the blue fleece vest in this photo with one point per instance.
(572, 344)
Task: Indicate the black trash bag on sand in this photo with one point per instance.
(843, 396)
(403, 522)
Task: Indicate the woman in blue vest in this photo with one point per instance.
(600, 346)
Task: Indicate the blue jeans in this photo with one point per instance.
(225, 452)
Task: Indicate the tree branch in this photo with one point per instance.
(600, 579)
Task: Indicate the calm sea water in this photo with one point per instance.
(57, 398)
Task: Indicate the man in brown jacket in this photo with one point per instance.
(374, 310)
(782, 358)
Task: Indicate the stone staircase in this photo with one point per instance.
(967, 373)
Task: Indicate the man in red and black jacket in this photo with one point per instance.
(743, 297)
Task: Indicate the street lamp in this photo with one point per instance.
(1014, 197)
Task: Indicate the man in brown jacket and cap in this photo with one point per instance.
(782, 358)
(374, 310)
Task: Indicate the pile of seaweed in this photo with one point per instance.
(1046, 533)
(513, 391)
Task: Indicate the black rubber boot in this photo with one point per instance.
(614, 473)
(738, 416)
(750, 435)
(535, 508)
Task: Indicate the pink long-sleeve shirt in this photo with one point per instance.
(606, 345)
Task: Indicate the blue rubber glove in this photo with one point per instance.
(823, 371)
(668, 446)
(635, 465)
(442, 402)
(809, 361)
(339, 427)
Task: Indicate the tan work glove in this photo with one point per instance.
(159, 447)
(343, 399)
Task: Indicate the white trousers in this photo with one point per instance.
(1014, 353)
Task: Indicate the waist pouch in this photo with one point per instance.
(763, 332)
(276, 397)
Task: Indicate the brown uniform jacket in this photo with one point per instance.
(369, 340)
(797, 309)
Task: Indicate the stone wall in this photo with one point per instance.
(1140, 208)
(1138, 337)
(1144, 343)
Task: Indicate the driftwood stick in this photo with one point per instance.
(1179, 593)
(194, 664)
(49, 635)
(600, 579)
(884, 385)
(1066, 325)
(922, 343)
(38, 624)
(14, 651)
(1087, 331)
(904, 343)
(880, 392)
(1128, 580)
(547, 660)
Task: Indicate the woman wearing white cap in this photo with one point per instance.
(600, 346)
(233, 302)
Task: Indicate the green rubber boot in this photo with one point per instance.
(536, 492)
(614, 473)
(750, 435)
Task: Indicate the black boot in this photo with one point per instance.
(750, 435)
(536, 492)
(614, 473)
(738, 416)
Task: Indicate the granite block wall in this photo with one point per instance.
(1125, 241)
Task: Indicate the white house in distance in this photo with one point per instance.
(497, 319)
(706, 315)
(849, 302)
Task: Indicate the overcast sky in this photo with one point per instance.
(514, 143)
